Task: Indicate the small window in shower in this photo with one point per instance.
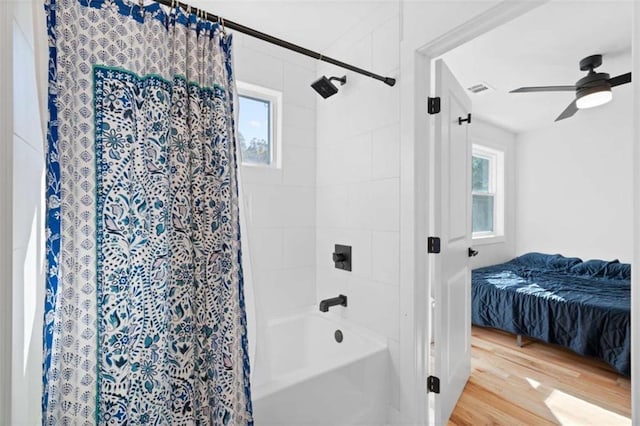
(259, 125)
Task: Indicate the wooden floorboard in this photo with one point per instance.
(538, 384)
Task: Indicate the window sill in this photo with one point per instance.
(489, 239)
(261, 166)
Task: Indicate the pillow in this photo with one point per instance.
(544, 261)
(599, 268)
(561, 263)
(618, 271)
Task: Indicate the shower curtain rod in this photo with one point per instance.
(274, 40)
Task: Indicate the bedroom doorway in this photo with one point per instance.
(503, 247)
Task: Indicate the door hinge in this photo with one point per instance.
(433, 105)
(433, 384)
(433, 245)
(465, 120)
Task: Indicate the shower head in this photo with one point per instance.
(325, 87)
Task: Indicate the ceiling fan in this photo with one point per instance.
(592, 90)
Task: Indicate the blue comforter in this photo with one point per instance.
(584, 306)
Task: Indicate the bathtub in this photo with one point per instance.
(305, 377)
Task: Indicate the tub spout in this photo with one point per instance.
(327, 303)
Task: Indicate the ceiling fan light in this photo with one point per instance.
(594, 98)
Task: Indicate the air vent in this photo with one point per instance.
(480, 87)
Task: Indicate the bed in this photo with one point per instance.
(584, 306)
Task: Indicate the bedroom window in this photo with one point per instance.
(487, 192)
(259, 116)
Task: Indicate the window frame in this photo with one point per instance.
(495, 189)
(274, 98)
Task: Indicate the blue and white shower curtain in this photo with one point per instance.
(144, 312)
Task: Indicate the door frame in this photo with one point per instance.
(635, 278)
(6, 207)
(421, 134)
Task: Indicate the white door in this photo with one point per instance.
(451, 271)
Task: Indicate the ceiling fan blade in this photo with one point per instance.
(544, 89)
(621, 79)
(568, 112)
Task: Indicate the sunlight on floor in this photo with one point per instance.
(539, 384)
(571, 410)
(534, 384)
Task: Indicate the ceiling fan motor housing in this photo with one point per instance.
(592, 83)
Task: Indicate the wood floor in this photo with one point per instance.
(538, 384)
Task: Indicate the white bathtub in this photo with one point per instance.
(306, 378)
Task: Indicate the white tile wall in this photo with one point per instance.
(299, 136)
(299, 248)
(358, 186)
(282, 291)
(373, 305)
(299, 165)
(384, 214)
(299, 116)
(359, 207)
(297, 81)
(256, 67)
(298, 206)
(334, 282)
(267, 248)
(331, 206)
(386, 39)
(281, 203)
(344, 161)
(385, 257)
(273, 50)
(385, 156)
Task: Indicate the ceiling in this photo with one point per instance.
(314, 24)
(540, 48)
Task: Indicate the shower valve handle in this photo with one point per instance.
(339, 257)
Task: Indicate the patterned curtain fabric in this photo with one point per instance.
(144, 313)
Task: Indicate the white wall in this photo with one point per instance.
(574, 184)
(358, 190)
(498, 250)
(28, 224)
(281, 202)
